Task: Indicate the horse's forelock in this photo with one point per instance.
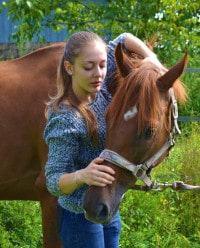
(138, 88)
(148, 96)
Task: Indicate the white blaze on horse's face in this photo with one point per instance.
(130, 113)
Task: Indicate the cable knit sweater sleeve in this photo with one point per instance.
(61, 135)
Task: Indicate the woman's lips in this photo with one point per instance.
(96, 84)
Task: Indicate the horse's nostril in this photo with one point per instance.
(102, 211)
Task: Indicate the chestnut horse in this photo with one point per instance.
(24, 86)
(140, 122)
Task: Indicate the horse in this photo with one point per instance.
(140, 124)
(25, 84)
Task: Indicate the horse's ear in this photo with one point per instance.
(167, 80)
(124, 65)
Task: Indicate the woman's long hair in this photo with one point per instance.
(64, 81)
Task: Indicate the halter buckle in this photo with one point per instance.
(139, 171)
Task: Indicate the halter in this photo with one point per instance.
(140, 171)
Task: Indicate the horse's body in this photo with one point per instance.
(139, 126)
(24, 86)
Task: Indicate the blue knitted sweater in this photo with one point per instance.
(69, 146)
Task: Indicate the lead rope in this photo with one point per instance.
(159, 187)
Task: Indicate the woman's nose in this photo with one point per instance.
(97, 72)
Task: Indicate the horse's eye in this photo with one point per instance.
(148, 132)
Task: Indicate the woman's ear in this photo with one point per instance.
(68, 67)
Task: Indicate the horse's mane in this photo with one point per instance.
(139, 89)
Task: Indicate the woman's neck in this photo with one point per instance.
(83, 97)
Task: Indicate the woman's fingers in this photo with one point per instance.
(98, 174)
(103, 175)
(102, 167)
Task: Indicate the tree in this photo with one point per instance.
(175, 22)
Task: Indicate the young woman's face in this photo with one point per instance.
(89, 71)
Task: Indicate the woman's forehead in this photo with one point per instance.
(93, 52)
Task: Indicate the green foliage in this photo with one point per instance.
(177, 26)
(192, 83)
(20, 224)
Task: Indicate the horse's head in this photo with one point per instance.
(140, 122)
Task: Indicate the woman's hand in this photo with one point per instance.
(96, 174)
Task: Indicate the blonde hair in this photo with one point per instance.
(64, 81)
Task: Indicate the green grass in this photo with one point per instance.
(20, 224)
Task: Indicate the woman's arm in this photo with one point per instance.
(94, 174)
(135, 45)
(132, 44)
(62, 177)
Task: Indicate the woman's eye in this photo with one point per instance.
(103, 65)
(87, 69)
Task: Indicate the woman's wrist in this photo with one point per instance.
(76, 178)
(134, 44)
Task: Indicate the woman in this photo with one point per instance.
(75, 134)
